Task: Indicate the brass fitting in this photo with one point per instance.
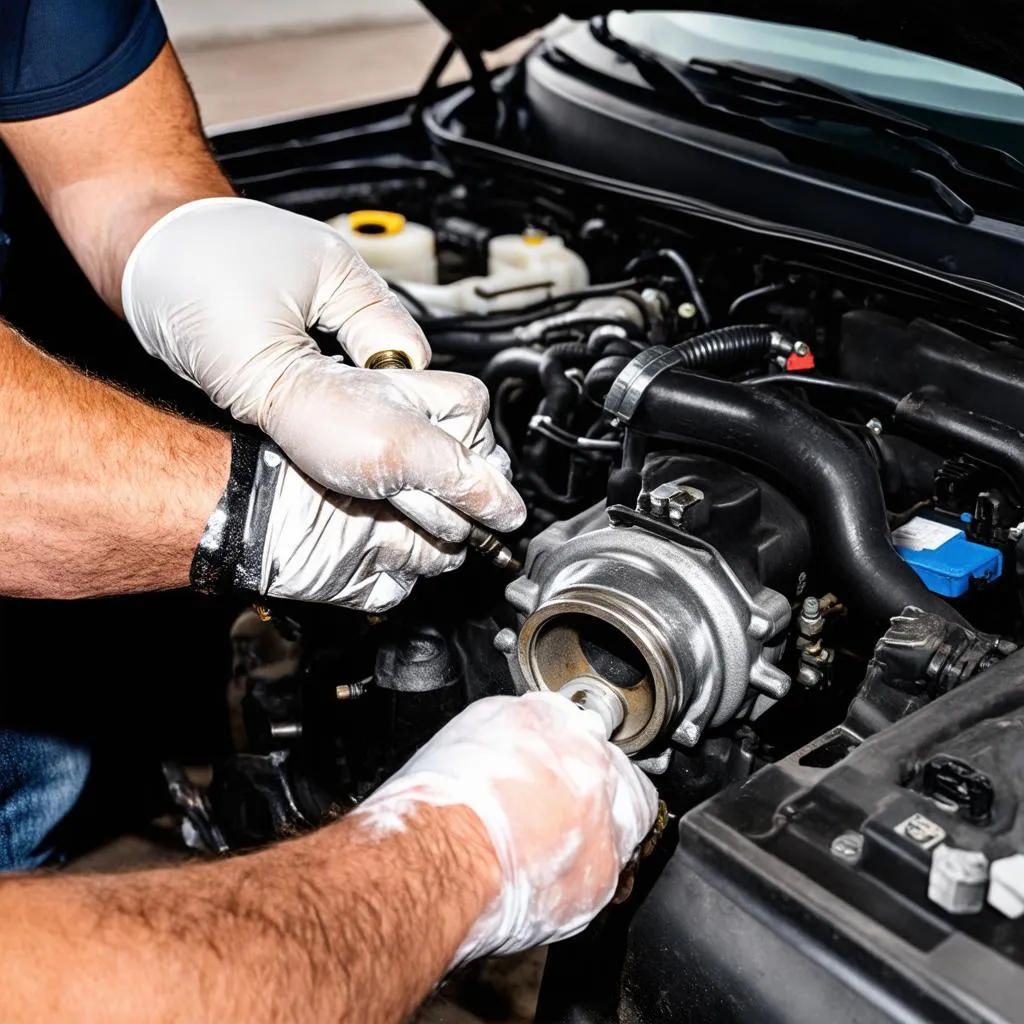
(389, 359)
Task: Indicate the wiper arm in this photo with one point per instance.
(780, 94)
(770, 98)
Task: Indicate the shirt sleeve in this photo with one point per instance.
(56, 55)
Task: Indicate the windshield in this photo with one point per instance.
(883, 73)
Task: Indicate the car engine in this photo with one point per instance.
(750, 485)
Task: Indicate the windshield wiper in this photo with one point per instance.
(806, 113)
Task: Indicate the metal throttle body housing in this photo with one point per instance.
(625, 605)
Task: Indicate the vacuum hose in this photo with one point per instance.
(830, 471)
(742, 345)
(728, 348)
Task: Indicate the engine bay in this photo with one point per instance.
(748, 482)
(775, 489)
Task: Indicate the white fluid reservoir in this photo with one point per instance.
(538, 257)
(398, 249)
(521, 269)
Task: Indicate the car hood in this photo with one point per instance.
(984, 34)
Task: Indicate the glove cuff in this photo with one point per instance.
(229, 556)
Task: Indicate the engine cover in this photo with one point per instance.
(820, 889)
(648, 611)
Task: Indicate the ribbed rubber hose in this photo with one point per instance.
(744, 344)
(832, 474)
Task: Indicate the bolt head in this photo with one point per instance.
(686, 310)
(506, 640)
(808, 675)
(848, 847)
(874, 425)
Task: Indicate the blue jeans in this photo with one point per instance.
(41, 779)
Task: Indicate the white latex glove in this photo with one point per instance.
(564, 809)
(296, 540)
(224, 290)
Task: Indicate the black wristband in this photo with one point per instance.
(215, 565)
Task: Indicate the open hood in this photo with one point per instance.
(987, 35)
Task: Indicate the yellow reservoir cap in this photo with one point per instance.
(382, 223)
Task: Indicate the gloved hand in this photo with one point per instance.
(564, 809)
(223, 290)
(276, 532)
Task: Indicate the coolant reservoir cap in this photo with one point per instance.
(382, 223)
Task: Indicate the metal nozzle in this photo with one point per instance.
(487, 544)
(389, 359)
(480, 540)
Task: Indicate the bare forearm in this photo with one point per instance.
(339, 926)
(100, 493)
(108, 171)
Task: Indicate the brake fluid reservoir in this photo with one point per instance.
(398, 249)
(538, 257)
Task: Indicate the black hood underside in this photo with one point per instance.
(987, 35)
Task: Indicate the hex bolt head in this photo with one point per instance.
(848, 847)
(874, 425)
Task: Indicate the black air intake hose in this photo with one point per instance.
(831, 472)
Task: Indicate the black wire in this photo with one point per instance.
(685, 271)
(754, 293)
(852, 389)
(487, 343)
(526, 314)
(411, 300)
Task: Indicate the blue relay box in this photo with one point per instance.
(944, 558)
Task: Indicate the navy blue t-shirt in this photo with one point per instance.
(56, 55)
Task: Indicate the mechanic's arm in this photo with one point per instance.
(107, 171)
(335, 927)
(101, 493)
(508, 829)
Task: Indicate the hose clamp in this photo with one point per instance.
(627, 390)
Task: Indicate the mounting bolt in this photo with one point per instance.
(801, 348)
(808, 675)
(686, 310)
(811, 622)
(874, 425)
(670, 501)
(505, 641)
(848, 847)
